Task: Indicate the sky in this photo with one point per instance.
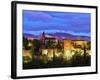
(36, 22)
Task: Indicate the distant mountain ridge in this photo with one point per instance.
(59, 35)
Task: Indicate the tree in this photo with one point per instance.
(25, 43)
(50, 44)
(36, 46)
(89, 45)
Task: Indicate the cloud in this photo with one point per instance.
(57, 31)
(35, 15)
(64, 21)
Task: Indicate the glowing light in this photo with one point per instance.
(44, 52)
(29, 44)
(50, 54)
(89, 52)
(27, 55)
(67, 55)
(72, 53)
(58, 54)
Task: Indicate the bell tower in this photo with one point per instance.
(43, 37)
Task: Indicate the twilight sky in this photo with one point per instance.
(36, 22)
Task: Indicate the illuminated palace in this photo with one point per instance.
(62, 48)
(52, 47)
